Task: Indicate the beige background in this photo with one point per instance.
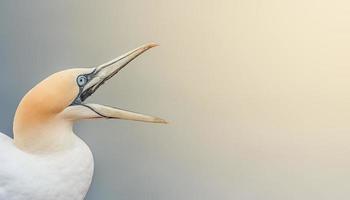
(257, 93)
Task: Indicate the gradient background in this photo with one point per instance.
(257, 93)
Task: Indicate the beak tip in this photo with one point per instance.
(152, 44)
(161, 121)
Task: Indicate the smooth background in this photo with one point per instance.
(257, 93)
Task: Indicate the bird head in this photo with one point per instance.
(51, 107)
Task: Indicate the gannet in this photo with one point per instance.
(45, 160)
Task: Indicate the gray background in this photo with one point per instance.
(257, 93)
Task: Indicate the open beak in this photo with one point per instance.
(99, 76)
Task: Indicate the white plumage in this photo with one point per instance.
(62, 175)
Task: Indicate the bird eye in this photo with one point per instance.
(81, 80)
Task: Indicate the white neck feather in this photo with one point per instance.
(55, 135)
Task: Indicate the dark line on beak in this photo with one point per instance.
(104, 116)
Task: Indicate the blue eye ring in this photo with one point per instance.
(81, 80)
